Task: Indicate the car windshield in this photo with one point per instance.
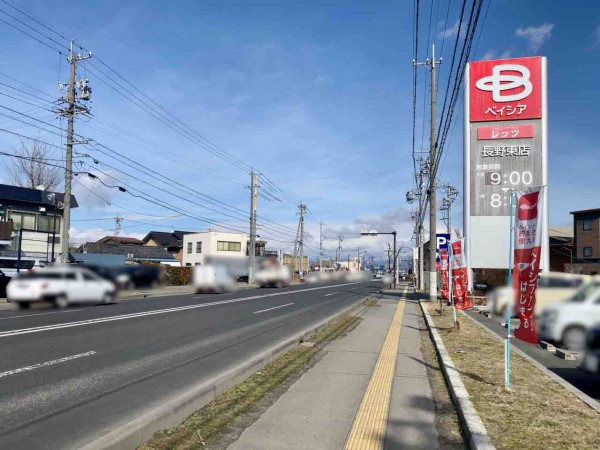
(585, 292)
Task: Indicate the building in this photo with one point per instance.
(120, 240)
(561, 247)
(586, 243)
(169, 241)
(31, 219)
(217, 244)
(133, 253)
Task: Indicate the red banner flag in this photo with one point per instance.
(527, 253)
(460, 281)
(444, 269)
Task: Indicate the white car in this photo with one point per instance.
(60, 285)
(567, 323)
(553, 287)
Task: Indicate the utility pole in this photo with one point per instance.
(338, 255)
(253, 201)
(72, 109)
(432, 182)
(321, 246)
(118, 221)
(301, 244)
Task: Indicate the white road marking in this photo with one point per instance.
(271, 309)
(46, 364)
(40, 314)
(327, 295)
(158, 311)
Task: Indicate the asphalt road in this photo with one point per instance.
(584, 381)
(67, 377)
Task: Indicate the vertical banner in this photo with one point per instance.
(527, 254)
(444, 270)
(460, 280)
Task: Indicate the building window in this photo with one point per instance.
(587, 225)
(23, 220)
(49, 224)
(226, 246)
(189, 248)
(198, 247)
(587, 252)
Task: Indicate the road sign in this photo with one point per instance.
(505, 149)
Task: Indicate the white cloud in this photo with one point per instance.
(490, 54)
(597, 37)
(453, 30)
(536, 36)
(506, 54)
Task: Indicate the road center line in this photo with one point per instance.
(46, 364)
(327, 295)
(271, 309)
(158, 311)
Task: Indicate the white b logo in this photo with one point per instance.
(498, 82)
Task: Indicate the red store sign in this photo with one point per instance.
(505, 132)
(505, 89)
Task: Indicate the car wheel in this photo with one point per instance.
(108, 298)
(24, 305)
(61, 302)
(278, 284)
(574, 338)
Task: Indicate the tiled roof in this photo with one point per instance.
(166, 239)
(139, 252)
(120, 239)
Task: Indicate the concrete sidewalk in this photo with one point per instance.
(320, 409)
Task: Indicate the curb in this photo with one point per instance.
(568, 386)
(472, 424)
(172, 412)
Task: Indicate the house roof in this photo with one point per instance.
(139, 252)
(167, 239)
(120, 240)
(26, 195)
(586, 211)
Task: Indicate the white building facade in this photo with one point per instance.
(198, 246)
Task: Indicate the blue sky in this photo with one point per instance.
(315, 95)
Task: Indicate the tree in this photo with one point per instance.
(32, 168)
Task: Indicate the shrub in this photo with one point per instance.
(178, 276)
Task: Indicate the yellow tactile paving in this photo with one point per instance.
(368, 429)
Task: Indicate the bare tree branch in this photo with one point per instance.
(33, 171)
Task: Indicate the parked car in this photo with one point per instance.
(378, 274)
(139, 275)
(3, 282)
(591, 361)
(480, 286)
(553, 287)
(60, 285)
(10, 265)
(567, 323)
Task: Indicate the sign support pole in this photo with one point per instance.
(509, 307)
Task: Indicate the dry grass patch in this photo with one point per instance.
(537, 413)
(206, 425)
(446, 417)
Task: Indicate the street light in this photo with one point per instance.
(393, 233)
